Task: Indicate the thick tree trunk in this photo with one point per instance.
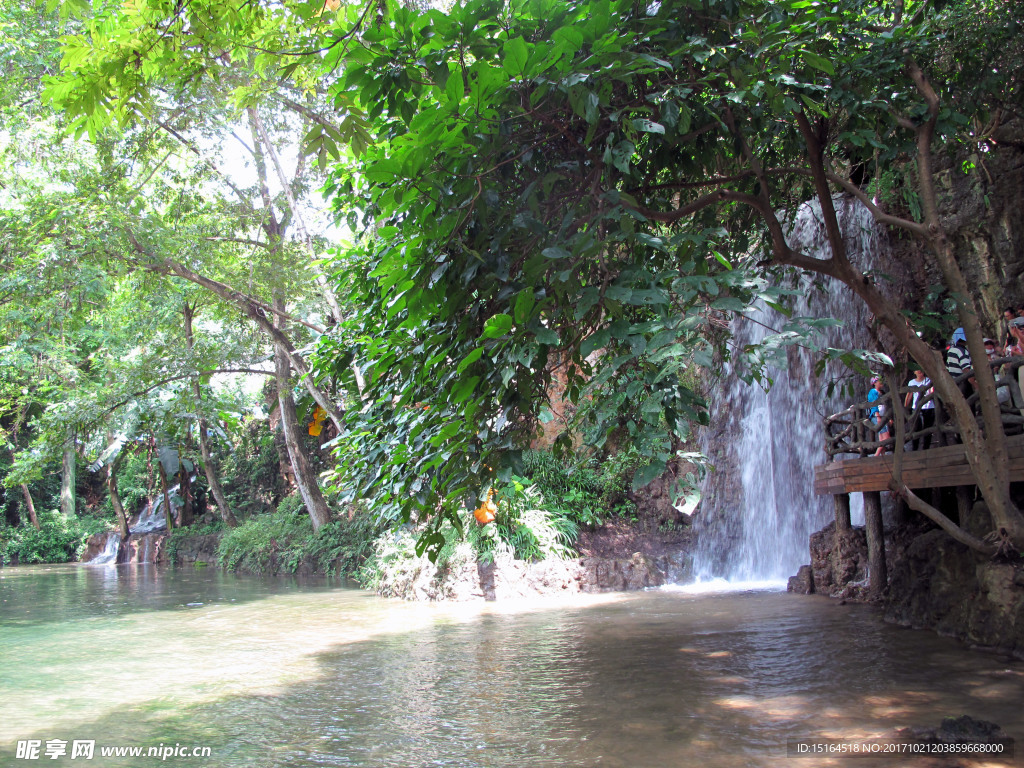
(185, 492)
(211, 478)
(27, 495)
(30, 506)
(305, 477)
(67, 480)
(168, 512)
(878, 573)
(209, 469)
(115, 501)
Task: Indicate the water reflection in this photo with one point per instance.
(269, 672)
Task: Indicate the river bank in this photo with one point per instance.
(503, 578)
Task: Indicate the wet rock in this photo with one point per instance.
(940, 584)
(463, 579)
(197, 550)
(97, 545)
(954, 730)
(143, 548)
(839, 564)
(803, 582)
(967, 730)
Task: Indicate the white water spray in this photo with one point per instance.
(755, 522)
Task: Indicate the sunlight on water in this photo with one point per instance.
(274, 672)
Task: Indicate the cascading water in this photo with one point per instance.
(108, 554)
(152, 517)
(759, 507)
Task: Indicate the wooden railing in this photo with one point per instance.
(853, 431)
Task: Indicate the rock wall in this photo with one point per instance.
(507, 579)
(937, 583)
(934, 582)
(981, 195)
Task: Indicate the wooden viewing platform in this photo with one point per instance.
(932, 468)
(853, 435)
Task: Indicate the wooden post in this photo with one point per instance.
(964, 502)
(878, 574)
(842, 505)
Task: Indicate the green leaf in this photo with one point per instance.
(819, 63)
(496, 326)
(729, 304)
(556, 253)
(524, 305)
(547, 336)
(596, 341)
(644, 475)
(469, 359)
(648, 126)
(516, 54)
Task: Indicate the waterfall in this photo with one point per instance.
(110, 547)
(152, 517)
(759, 507)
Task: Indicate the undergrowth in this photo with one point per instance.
(58, 540)
(284, 539)
(524, 528)
(586, 490)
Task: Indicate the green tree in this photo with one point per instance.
(539, 162)
(564, 178)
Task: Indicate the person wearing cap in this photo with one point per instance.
(877, 412)
(991, 349)
(958, 359)
(924, 417)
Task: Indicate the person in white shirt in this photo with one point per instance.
(923, 418)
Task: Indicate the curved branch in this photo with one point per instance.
(918, 504)
(879, 215)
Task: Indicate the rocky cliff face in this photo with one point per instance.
(980, 203)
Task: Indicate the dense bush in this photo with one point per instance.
(282, 540)
(45, 493)
(251, 472)
(585, 490)
(58, 540)
(179, 534)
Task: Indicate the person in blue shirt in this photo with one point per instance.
(877, 412)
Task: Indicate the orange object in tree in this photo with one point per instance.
(485, 513)
(316, 426)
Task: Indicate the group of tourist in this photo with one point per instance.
(958, 362)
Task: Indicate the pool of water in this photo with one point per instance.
(289, 672)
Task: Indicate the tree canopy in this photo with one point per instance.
(586, 186)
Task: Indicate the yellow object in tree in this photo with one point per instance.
(485, 513)
(316, 426)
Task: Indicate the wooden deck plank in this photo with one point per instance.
(934, 468)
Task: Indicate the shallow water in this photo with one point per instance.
(284, 672)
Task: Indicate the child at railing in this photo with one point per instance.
(877, 412)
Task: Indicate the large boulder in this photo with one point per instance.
(839, 564)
